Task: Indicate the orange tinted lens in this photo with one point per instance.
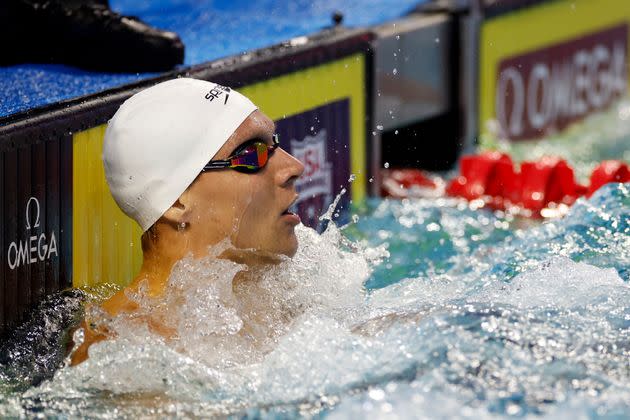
(253, 156)
(262, 154)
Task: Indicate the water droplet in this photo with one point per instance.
(379, 127)
(386, 165)
(395, 71)
(396, 132)
(437, 40)
(433, 227)
(397, 36)
(377, 394)
(371, 180)
(352, 178)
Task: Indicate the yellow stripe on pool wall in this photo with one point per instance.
(535, 28)
(106, 243)
(303, 90)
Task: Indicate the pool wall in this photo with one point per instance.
(36, 210)
(416, 72)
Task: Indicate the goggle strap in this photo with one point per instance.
(217, 164)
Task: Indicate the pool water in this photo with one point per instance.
(419, 308)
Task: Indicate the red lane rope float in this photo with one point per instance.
(397, 183)
(550, 180)
(489, 174)
(543, 184)
(538, 187)
(608, 171)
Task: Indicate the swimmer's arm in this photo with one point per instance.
(116, 304)
(90, 336)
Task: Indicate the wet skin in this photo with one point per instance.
(248, 209)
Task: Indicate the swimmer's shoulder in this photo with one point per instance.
(119, 303)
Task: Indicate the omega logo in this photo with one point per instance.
(557, 85)
(36, 247)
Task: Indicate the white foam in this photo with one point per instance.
(558, 282)
(401, 401)
(232, 338)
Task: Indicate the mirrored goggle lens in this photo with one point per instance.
(253, 157)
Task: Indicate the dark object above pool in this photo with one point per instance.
(85, 34)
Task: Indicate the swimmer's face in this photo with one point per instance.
(249, 209)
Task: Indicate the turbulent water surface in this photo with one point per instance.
(420, 308)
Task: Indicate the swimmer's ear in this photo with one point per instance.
(179, 212)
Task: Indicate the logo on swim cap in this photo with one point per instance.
(217, 91)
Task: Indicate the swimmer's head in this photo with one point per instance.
(155, 151)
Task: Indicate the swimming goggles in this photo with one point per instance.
(250, 157)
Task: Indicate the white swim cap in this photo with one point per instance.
(159, 140)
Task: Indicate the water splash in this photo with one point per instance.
(328, 216)
(517, 323)
(34, 350)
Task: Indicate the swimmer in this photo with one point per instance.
(195, 163)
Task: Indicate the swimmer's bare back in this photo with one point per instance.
(118, 304)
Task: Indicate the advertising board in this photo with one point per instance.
(36, 228)
(551, 64)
